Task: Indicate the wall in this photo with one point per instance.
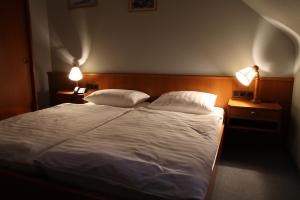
(41, 48)
(285, 16)
(295, 125)
(181, 37)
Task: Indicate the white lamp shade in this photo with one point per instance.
(75, 74)
(246, 75)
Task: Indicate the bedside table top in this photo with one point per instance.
(67, 92)
(250, 104)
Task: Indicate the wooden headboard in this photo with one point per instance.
(271, 89)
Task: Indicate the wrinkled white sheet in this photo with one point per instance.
(167, 154)
(24, 137)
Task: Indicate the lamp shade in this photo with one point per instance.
(246, 75)
(75, 74)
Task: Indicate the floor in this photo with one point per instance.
(250, 172)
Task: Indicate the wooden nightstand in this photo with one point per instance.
(248, 116)
(68, 97)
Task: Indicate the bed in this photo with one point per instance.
(26, 136)
(144, 160)
(165, 154)
(124, 153)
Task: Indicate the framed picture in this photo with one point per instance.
(81, 3)
(142, 5)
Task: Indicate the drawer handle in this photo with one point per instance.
(252, 113)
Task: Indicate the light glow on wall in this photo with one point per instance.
(273, 50)
(78, 45)
(80, 21)
(293, 35)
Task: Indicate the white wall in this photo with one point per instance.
(182, 37)
(41, 48)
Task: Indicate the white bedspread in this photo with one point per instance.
(24, 137)
(167, 154)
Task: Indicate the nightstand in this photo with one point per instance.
(68, 97)
(253, 117)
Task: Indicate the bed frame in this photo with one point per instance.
(19, 185)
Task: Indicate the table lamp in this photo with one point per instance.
(75, 73)
(246, 75)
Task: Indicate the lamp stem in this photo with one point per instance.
(256, 89)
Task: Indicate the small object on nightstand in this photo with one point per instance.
(81, 91)
(68, 97)
(249, 116)
(246, 95)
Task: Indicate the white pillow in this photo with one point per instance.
(185, 101)
(117, 97)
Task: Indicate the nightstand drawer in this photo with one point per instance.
(254, 114)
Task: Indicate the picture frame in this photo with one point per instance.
(142, 5)
(73, 4)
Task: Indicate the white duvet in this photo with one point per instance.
(24, 137)
(167, 154)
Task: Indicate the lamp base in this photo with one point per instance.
(256, 101)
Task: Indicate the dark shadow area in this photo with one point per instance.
(256, 170)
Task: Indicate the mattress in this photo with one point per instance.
(160, 153)
(26, 136)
